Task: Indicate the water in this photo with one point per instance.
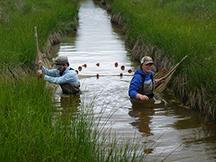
(168, 132)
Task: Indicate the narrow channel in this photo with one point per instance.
(170, 132)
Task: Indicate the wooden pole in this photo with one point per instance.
(38, 55)
(161, 87)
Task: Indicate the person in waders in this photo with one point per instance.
(143, 83)
(63, 75)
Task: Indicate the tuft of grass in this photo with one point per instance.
(25, 115)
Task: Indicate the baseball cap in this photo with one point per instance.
(146, 60)
(61, 60)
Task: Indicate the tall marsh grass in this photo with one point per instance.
(179, 28)
(31, 130)
(17, 21)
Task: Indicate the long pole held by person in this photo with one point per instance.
(38, 59)
(38, 55)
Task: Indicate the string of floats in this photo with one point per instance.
(98, 75)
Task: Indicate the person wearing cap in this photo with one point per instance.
(63, 75)
(142, 84)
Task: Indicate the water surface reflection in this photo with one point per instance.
(143, 118)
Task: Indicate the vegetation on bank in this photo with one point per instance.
(31, 129)
(17, 21)
(179, 28)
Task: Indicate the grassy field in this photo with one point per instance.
(180, 28)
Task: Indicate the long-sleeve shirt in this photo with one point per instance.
(139, 82)
(53, 76)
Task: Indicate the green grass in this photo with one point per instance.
(32, 130)
(31, 127)
(25, 120)
(17, 26)
(180, 28)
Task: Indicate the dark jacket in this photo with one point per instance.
(137, 82)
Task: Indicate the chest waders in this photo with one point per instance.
(68, 88)
(149, 85)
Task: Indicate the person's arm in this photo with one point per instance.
(50, 72)
(67, 78)
(135, 84)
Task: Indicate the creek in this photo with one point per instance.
(169, 132)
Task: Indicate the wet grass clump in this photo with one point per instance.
(179, 28)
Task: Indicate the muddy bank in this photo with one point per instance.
(56, 36)
(197, 99)
(54, 39)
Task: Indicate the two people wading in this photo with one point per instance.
(141, 86)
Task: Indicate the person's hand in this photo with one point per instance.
(39, 74)
(142, 97)
(40, 63)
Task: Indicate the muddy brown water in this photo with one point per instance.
(169, 132)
